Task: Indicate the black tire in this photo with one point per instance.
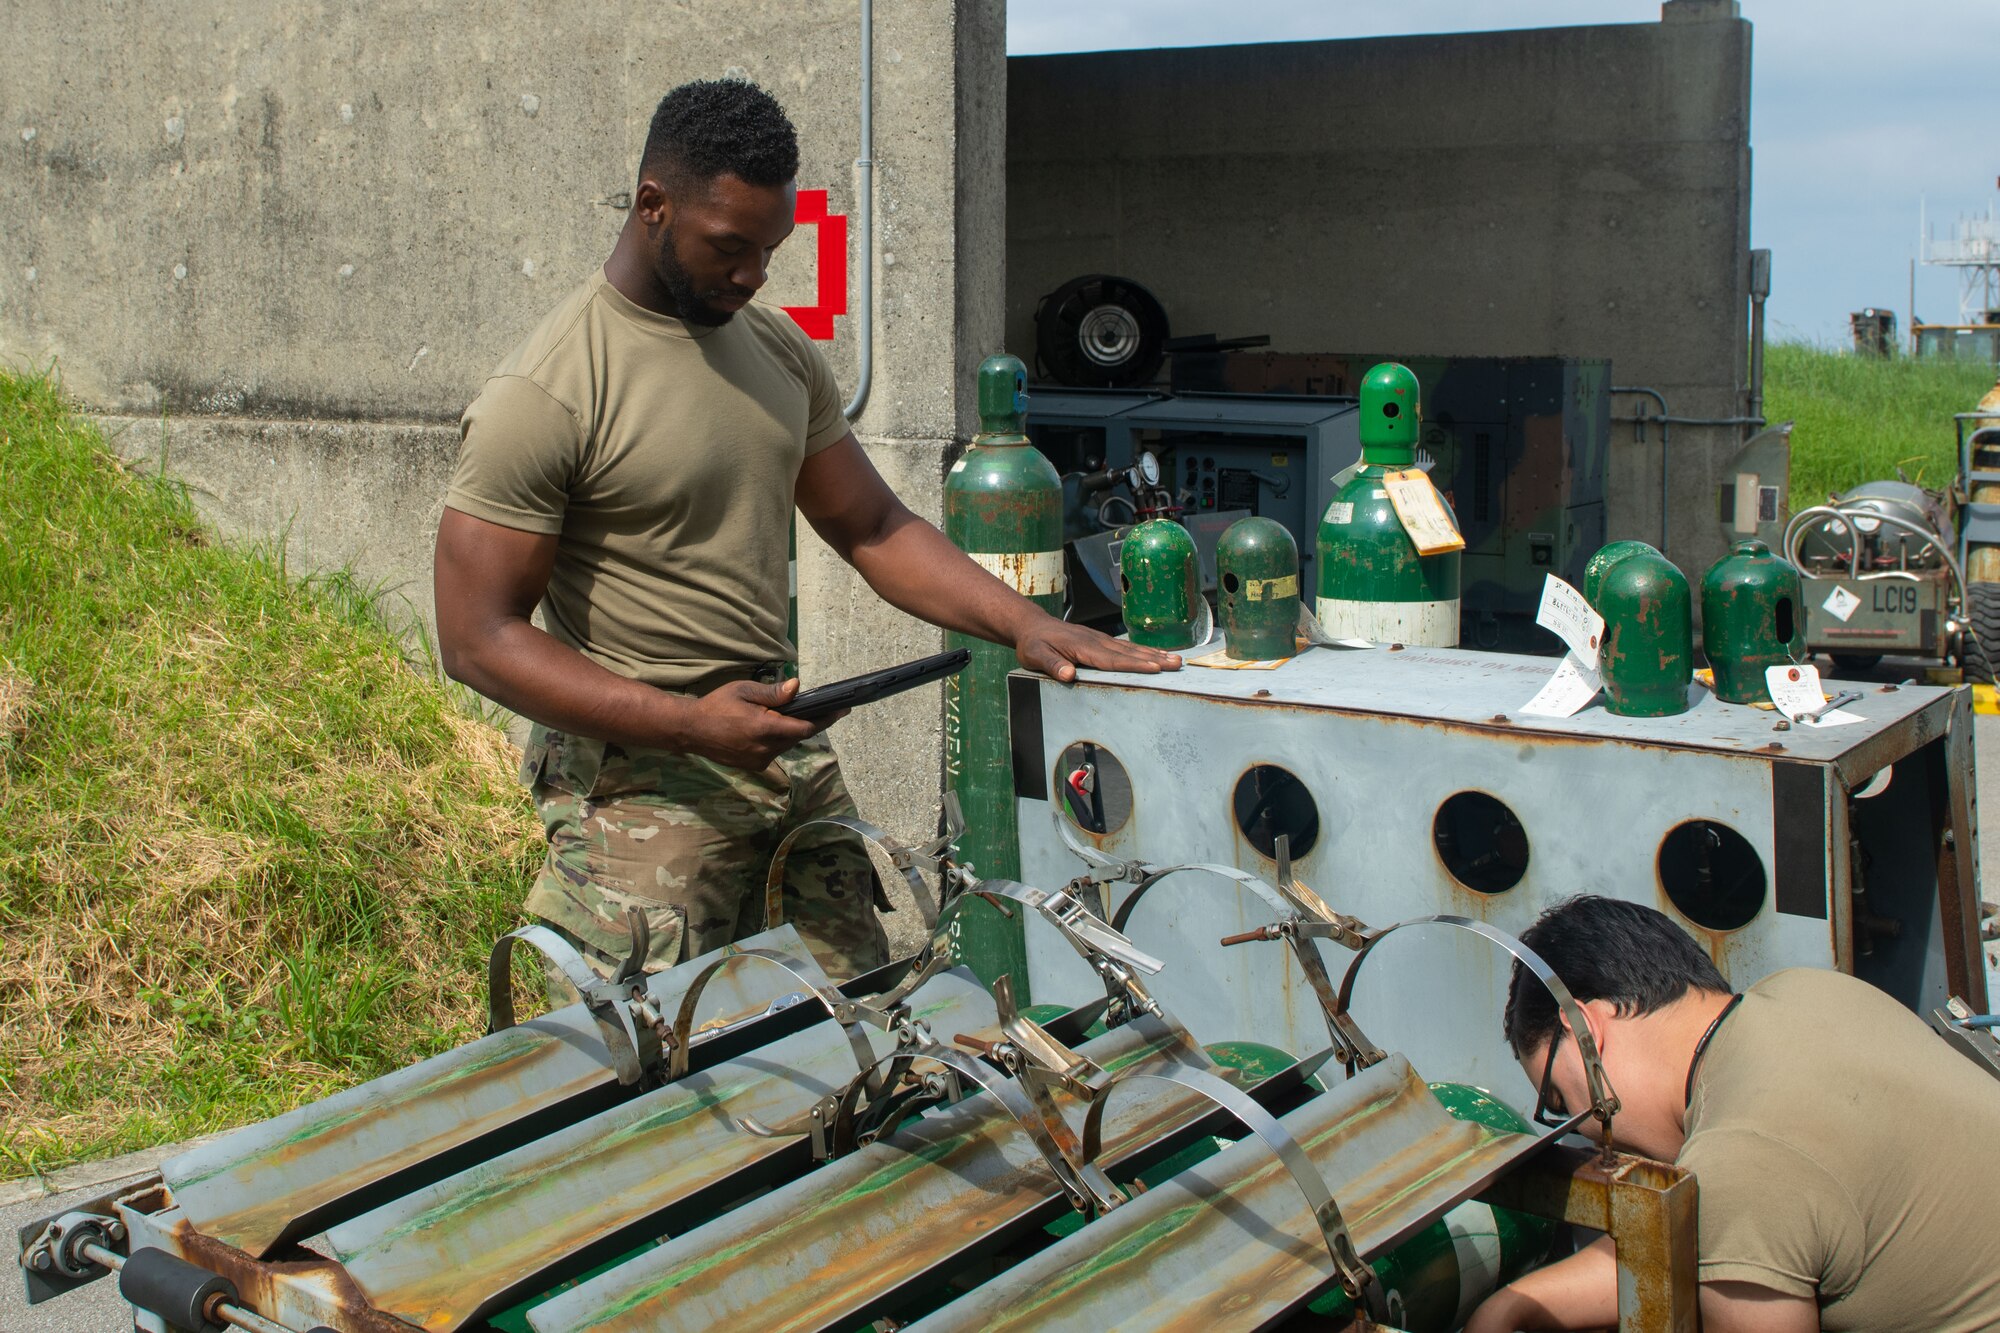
(1980, 646)
(1855, 664)
(1100, 332)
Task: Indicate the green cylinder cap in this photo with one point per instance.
(1257, 590)
(1752, 617)
(1003, 395)
(1159, 576)
(1606, 557)
(1647, 658)
(1391, 414)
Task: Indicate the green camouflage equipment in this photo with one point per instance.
(688, 841)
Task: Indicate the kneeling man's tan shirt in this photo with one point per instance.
(1844, 1152)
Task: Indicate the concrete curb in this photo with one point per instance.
(90, 1174)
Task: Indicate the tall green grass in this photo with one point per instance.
(1860, 419)
(247, 854)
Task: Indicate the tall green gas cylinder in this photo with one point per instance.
(1752, 617)
(1647, 657)
(1002, 507)
(1257, 590)
(1606, 557)
(1161, 579)
(792, 613)
(1372, 583)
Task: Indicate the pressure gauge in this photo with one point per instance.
(1149, 468)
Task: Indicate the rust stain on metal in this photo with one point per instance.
(1226, 1245)
(260, 1221)
(856, 1231)
(318, 1287)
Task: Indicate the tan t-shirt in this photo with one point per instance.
(1842, 1151)
(664, 456)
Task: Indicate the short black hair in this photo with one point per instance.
(711, 127)
(1604, 949)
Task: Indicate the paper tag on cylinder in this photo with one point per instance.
(1573, 620)
(1422, 511)
(1566, 692)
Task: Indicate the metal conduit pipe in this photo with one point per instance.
(864, 218)
(1666, 439)
(1666, 421)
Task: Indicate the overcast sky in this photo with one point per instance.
(1859, 109)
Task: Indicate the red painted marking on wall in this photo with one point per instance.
(817, 320)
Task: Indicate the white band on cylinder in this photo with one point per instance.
(1030, 573)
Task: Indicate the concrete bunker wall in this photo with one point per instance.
(281, 245)
(1569, 191)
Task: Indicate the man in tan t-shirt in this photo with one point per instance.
(632, 468)
(1846, 1160)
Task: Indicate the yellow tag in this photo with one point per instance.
(1280, 460)
(1422, 510)
(1270, 590)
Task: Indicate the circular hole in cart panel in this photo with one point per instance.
(1481, 842)
(1094, 788)
(1712, 874)
(1271, 803)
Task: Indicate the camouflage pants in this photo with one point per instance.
(689, 841)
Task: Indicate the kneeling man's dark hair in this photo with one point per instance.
(706, 129)
(1605, 949)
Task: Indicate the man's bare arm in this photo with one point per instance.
(914, 568)
(488, 582)
(1744, 1307)
(1575, 1293)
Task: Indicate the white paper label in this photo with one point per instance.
(1572, 686)
(1796, 691)
(1574, 622)
(959, 466)
(1340, 511)
(1840, 604)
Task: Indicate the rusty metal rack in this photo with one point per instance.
(738, 1142)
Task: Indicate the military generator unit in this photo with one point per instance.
(1207, 1031)
(1892, 568)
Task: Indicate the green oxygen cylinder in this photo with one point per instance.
(1606, 557)
(1002, 507)
(1751, 618)
(1372, 583)
(1160, 579)
(1435, 1279)
(1257, 590)
(1647, 657)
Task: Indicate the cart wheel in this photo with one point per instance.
(1855, 664)
(1981, 644)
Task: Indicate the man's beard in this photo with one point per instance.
(691, 306)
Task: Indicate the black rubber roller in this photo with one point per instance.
(174, 1289)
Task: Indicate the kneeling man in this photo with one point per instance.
(1847, 1160)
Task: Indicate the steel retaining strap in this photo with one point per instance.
(621, 1034)
(1604, 1101)
(838, 1007)
(1357, 1279)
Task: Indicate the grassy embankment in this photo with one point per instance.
(247, 855)
(1860, 419)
